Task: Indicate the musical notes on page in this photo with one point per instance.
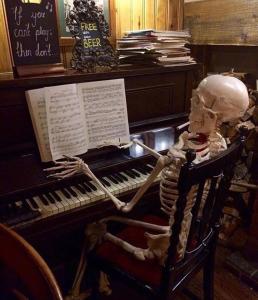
(105, 112)
(37, 108)
(65, 121)
(70, 119)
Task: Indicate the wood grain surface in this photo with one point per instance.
(5, 59)
(230, 22)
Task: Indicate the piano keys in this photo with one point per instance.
(43, 205)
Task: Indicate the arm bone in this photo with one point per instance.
(151, 151)
(136, 223)
(161, 163)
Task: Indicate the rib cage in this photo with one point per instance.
(169, 195)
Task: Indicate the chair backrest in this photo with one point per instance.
(28, 267)
(210, 181)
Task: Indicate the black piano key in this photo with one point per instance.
(72, 192)
(43, 199)
(106, 183)
(56, 196)
(130, 174)
(65, 193)
(50, 198)
(87, 188)
(33, 203)
(80, 188)
(117, 177)
(26, 205)
(141, 170)
(112, 179)
(91, 186)
(148, 168)
(102, 181)
(122, 176)
(135, 173)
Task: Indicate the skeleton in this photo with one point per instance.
(217, 99)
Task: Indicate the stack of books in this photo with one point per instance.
(158, 47)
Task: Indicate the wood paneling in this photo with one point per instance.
(142, 14)
(162, 15)
(230, 22)
(5, 60)
(176, 14)
(150, 20)
(125, 15)
(138, 15)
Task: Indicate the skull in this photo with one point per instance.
(217, 99)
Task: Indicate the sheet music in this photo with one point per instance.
(37, 107)
(65, 121)
(105, 112)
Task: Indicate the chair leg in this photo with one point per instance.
(208, 277)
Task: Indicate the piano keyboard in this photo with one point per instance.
(70, 197)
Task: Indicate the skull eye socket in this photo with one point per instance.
(211, 115)
(195, 100)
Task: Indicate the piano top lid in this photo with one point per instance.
(72, 76)
(23, 174)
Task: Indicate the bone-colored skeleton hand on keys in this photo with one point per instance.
(75, 165)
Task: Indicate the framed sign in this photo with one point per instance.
(90, 31)
(33, 33)
(64, 9)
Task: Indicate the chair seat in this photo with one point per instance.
(148, 271)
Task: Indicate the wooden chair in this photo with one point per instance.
(25, 275)
(162, 282)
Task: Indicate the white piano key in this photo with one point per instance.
(96, 195)
(72, 204)
(134, 183)
(64, 202)
(75, 199)
(83, 198)
(45, 209)
(58, 204)
(52, 206)
(113, 188)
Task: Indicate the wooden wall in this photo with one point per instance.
(227, 22)
(124, 15)
(224, 34)
(141, 14)
(5, 60)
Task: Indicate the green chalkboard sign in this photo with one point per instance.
(33, 31)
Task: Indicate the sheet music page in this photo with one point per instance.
(66, 121)
(105, 112)
(37, 108)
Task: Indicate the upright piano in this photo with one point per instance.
(52, 214)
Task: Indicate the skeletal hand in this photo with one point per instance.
(68, 168)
